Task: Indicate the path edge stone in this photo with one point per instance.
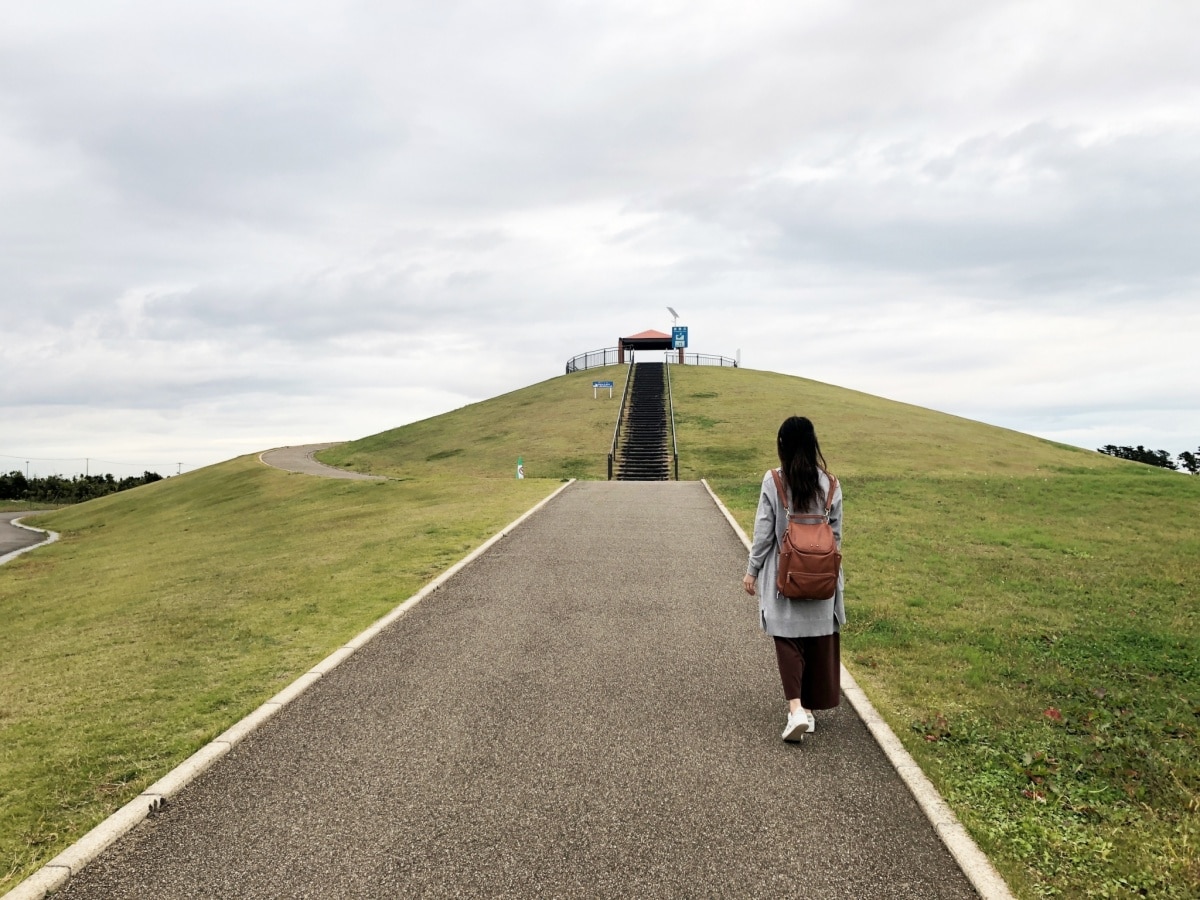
(52, 876)
(974, 863)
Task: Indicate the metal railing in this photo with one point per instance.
(611, 356)
(612, 452)
(671, 406)
(700, 359)
(593, 359)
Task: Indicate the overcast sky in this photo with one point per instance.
(226, 227)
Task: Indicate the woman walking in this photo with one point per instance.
(806, 632)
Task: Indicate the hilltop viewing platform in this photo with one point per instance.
(645, 341)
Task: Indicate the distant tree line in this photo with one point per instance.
(1188, 461)
(77, 489)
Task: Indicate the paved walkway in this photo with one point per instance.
(586, 710)
(300, 459)
(13, 539)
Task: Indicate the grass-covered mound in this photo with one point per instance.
(561, 428)
(1023, 613)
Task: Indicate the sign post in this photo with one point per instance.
(597, 385)
(679, 340)
(520, 467)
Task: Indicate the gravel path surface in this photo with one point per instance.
(300, 459)
(587, 710)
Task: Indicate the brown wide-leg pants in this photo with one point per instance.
(811, 669)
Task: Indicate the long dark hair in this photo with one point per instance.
(801, 460)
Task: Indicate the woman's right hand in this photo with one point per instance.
(748, 584)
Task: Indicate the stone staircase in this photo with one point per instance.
(643, 453)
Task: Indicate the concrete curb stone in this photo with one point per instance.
(235, 734)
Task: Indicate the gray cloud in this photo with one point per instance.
(225, 225)
(1041, 211)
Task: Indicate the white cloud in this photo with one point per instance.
(227, 227)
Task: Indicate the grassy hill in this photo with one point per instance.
(555, 426)
(1023, 613)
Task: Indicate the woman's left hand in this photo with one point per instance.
(748, 584)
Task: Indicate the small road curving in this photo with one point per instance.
(300, 459)
(16, 539)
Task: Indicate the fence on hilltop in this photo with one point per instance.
(611, 356)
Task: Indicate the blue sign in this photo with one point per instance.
(679, 336)
(602, 384)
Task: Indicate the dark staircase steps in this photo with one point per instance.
(643, 452)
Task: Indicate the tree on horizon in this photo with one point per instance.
(1160, 458)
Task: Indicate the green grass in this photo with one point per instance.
(1035, 643)
(1023, 613)
(555, 426)
(727, 420)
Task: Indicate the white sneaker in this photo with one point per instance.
(798, 725)
(812, 722)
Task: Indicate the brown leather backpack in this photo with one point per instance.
(809, 559)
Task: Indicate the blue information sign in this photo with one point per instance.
(600, 384)
(679, 336)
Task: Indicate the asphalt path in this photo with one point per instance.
(587, 710)
(13, 538)
(300, 459)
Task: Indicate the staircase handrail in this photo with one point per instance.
(671, 406)
(620, 414)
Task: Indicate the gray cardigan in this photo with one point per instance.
(779, 616)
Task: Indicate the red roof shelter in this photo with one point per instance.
(645, 340)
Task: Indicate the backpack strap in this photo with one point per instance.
(833, 485)
(782, 493)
